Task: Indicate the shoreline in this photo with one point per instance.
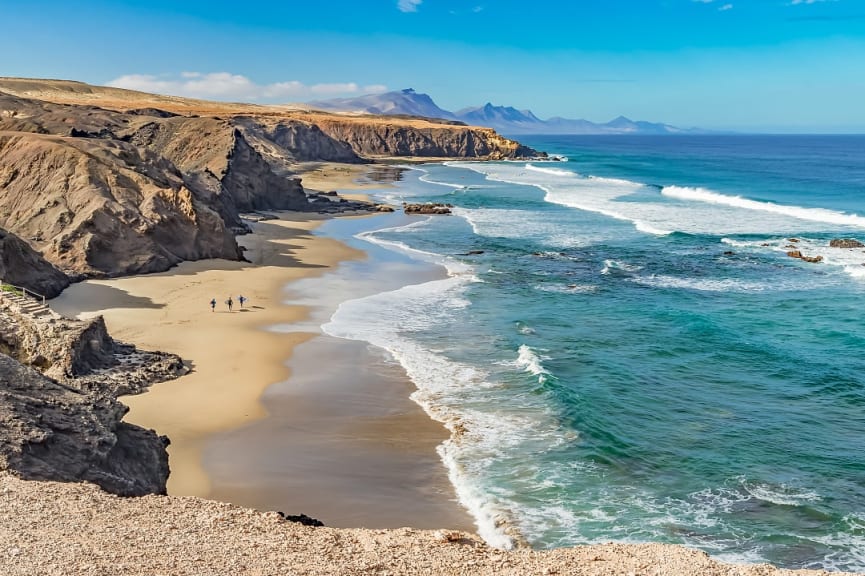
(231, 364)
(237, 358)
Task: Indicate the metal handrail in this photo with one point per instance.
(24, 290)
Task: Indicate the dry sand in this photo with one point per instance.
(323, 453)
(233, 359)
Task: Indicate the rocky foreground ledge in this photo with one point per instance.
(59, 414)
(49, 528)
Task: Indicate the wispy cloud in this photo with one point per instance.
(227, 86)
(408, 5)
(722, 8)
(796, 2)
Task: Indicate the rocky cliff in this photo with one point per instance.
(141, 182)
(22, 266)
(59, 414)
(377, 137)
(54, 432)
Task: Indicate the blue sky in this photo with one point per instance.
(754, 65)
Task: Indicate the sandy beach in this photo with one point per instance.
(232, 359)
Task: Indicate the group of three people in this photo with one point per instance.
(229, 302)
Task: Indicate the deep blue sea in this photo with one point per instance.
(633, 356)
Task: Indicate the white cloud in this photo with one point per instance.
(795, 2)
(725, 7)
(227, 86)
(408, 5)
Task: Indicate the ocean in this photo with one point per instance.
(622, 348)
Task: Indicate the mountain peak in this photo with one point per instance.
(505, 119)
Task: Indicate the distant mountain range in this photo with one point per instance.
(505, 119)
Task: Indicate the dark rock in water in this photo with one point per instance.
(729, 253)
(471, 253)
(301, 519)
(800, 256)
(383, 208)
(792, 239)
(845, 243)
(427, 208)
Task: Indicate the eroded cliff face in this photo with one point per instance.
(104, 207)
(133, 188)
(380, 137)
(54, 432)
(59, 414)
(22, 266)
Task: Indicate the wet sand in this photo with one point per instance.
(342, 442)
(349, 440)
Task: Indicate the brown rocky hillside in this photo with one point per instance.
(105, 182)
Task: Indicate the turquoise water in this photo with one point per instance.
(634, 357)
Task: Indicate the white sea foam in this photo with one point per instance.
(429, 180)
(701, 284)
(850, 261)
(671, 209)
(552, 171)
(613, 266)
(452, 265)
(526, 225)
(568, 288)
(812, 214)
(780, 494)
(524, 328)
(532, 363)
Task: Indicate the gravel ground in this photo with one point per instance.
(50, 528)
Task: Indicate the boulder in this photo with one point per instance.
(845, 243)
(800, 256)
(427, 208)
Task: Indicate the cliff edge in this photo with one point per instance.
(109, 182)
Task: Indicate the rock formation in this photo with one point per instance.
(800, 256)
(59, 416)
(427, 208)
(845, 243)
(49, 431)
(22, 266)
(107, 182)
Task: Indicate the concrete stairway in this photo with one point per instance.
(26, 304)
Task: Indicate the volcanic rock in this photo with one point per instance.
(845, 243)
(427, 208)
(22, 266)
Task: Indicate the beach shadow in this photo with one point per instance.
(258, 307)
(94, 297)
(276, 248)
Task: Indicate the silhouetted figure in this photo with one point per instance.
(230, 303)
(241, 299)
(213, 305)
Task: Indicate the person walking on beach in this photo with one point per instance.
(230, 303)
(241, 299)
(213, 305)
